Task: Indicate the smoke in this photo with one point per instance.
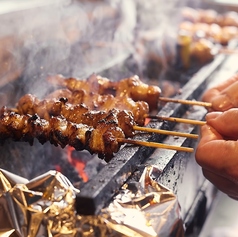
(79, 38)
(157, 28)
(73, 39)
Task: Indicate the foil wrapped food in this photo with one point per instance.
(45, 206)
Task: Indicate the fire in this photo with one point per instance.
(58, 168)
(147, 120)
(77, 163)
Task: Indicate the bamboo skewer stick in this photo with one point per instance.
(166, 132)
(179, 120)
(155, 145)
(188, 102)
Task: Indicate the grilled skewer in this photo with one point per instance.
(103, 140)
(57, 104)
(79, 113)
(101, 132)
(131, 87)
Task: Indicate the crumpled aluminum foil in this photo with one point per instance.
(141, 209)
(44, 206)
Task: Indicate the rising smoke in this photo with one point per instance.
(79, 38)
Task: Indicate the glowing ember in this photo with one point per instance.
(77, 163)
(58, 168)
(147, 120)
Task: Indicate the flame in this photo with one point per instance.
(78, 164)
(147, 120)
(58, 168)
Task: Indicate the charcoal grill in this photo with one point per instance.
(97, 192)
(177, 170)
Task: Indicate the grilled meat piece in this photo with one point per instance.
(29, 104)
(101, 140)
(131, 87)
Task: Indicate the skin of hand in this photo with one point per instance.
(217, 151)
(224, 96)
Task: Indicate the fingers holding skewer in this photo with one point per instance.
(223, 96)
(220, 97)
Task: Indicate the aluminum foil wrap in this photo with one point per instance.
(44, 206)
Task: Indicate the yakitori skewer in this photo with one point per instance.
(132, 88)
(155, 145)
(103, 140)
(188, 102)
(173, 119)
(29, 104)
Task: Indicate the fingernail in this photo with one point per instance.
(222, 103)
(212, 115)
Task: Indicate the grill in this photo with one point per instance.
(177, 170)
(96, 192)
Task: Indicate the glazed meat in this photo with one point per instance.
(78, 113)
(101, 140)
(131, 87)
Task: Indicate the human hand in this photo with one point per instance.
(223, 96)
(217, 151)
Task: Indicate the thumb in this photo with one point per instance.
(224, 123)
